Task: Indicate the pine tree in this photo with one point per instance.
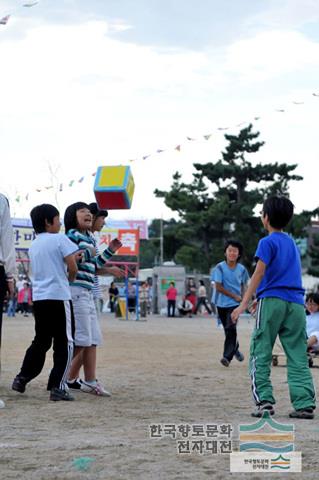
(220, 202)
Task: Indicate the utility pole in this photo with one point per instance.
(161, 241)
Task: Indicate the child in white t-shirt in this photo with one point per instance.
(312, 322)
(53, 264)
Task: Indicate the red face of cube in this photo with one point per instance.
(111, 200)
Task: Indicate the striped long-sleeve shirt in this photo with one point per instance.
(97, 292)
(87, 267)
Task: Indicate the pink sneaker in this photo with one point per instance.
(95, 388)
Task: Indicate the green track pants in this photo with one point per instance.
(276, 317)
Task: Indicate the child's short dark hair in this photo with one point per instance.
(235, 244)
(70, 220)
(314, 297)
(96, 211)
(279, 211)
(42, 213)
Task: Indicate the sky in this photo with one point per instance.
(96, 82)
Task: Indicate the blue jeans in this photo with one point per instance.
(12, 305)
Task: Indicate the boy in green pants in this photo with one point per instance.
(280, 311)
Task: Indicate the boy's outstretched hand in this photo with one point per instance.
(235, 313)
(115, 244)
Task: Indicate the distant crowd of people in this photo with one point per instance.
(192, 302)
(21, 298)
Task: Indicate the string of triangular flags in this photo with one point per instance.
(177, 147)
(4, 20)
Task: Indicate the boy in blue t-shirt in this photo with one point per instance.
(230, 278)
(280, 311)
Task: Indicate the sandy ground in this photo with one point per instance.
(163, 371)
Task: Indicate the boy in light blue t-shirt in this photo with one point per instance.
(230, 278)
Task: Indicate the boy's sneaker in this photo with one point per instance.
(264, 408)
(239, 356)
(58, 394)
(304, 413)
(96, 388)
(75, 384)
(19, 384)
(224, 362)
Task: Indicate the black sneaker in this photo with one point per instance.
(75, 385)
(19, 384)
(58, 394)
(264, 408)
(239, 356)
(303, 413)
(224, 361)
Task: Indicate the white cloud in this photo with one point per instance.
(285, 14)
(271, 54)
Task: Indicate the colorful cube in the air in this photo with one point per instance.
(114, 187)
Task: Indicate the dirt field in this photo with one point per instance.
(163, 371)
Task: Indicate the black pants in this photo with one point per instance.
(131, 303)
(54, 322)
(202, 301)
(231, 345)
(171, 304)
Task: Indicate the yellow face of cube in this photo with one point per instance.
(130, 187)
(112, 176)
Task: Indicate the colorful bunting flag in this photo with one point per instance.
(4, 20)
(29, 4)
(71, 183)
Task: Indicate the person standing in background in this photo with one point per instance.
(143, 299)
(202, 298)
(171, 295)
(113, 296)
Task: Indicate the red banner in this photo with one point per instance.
(129, 238)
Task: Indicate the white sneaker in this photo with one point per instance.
(96, 388)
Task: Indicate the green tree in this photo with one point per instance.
(220, 202)
(150, 253)
(314, 256)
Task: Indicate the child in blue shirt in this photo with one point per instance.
(230, 278)
(280, 312)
